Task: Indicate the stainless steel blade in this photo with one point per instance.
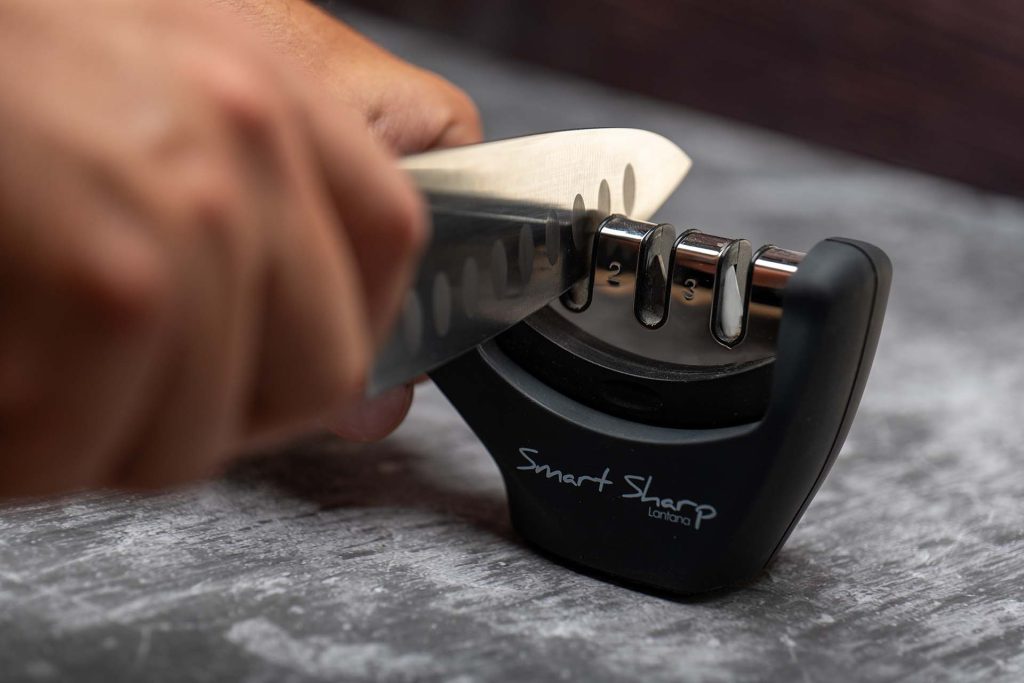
(512, 221)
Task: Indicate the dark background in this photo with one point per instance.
(936, 85)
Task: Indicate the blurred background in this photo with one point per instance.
(936, 85)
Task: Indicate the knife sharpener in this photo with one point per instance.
(669, 422)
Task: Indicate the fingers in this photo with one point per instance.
(271, 314)
(420, 111)
(273, 332)
(219, 270)
(381, 214)
(315, 345)
(408, 108)
(204, 219)
(375, 418)
(84, 339)
(384, 216)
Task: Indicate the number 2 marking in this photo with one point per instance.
(614, 269)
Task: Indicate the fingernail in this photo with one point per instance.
(373, 418)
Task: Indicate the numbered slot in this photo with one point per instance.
(713, 299)
(713, 274)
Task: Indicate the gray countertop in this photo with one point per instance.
(396, 561)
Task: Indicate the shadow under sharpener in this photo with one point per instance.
(702, 492)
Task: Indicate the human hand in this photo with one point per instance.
(408, 108)
(197, 248)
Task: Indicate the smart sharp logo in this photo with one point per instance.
(640, 488)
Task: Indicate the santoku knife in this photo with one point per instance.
(512, 225)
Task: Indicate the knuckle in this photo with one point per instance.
(456, 115)
(125, 288)
(241, 94)
(212, 201)
(213, 214)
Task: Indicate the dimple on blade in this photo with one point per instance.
(615, 170)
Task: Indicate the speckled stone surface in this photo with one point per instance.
(396, 561)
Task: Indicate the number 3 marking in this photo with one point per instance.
(690, 285)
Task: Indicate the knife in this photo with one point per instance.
(513, 221)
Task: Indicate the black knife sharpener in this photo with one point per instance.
(676, 478)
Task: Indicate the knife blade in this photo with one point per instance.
(512, 224)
